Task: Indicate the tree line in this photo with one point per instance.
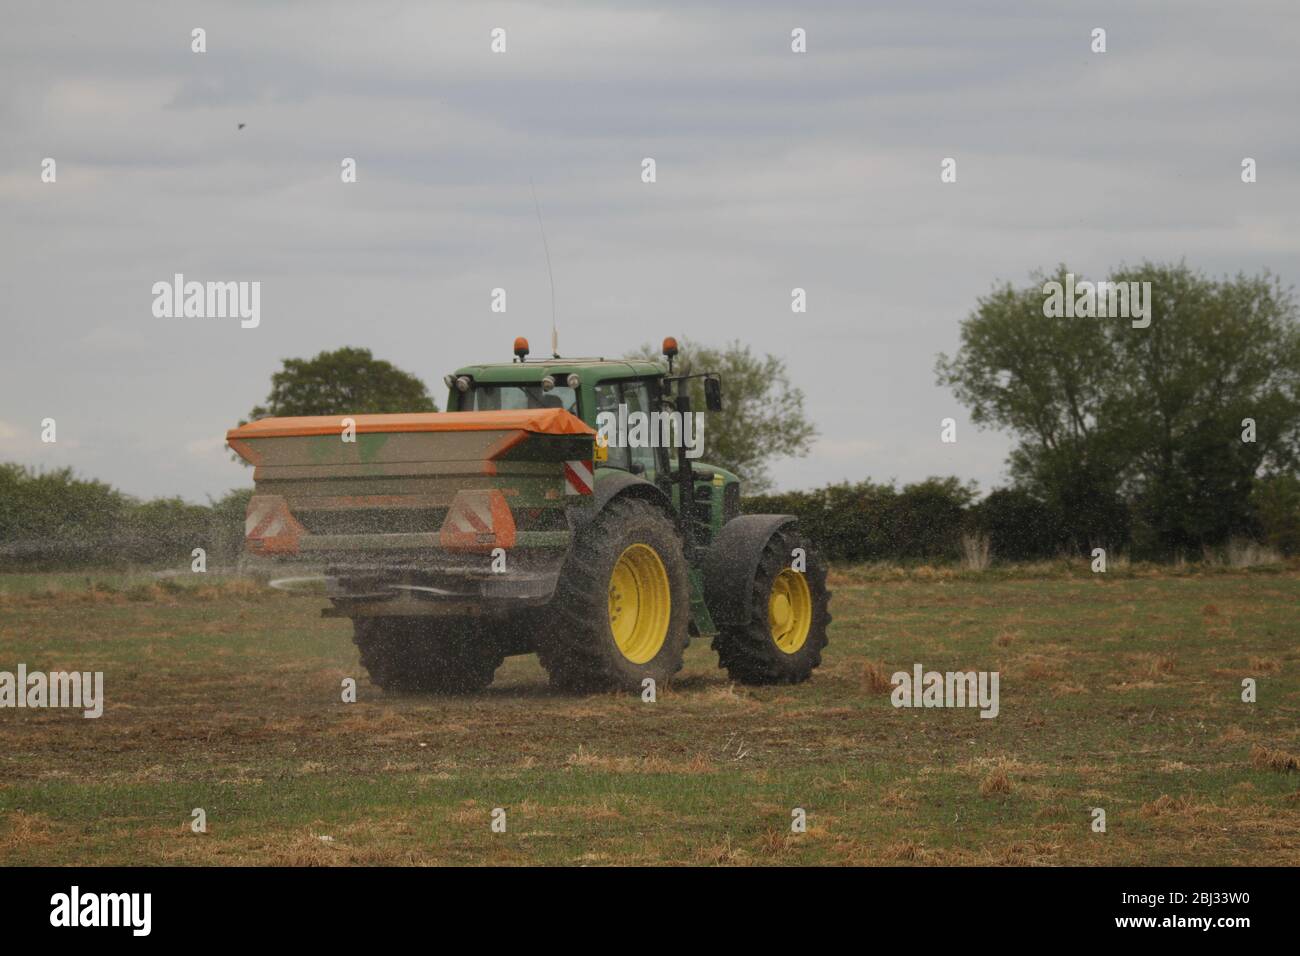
(937, 520)
(1168, 438)
(55, 520)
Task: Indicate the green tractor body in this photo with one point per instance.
(557, 507)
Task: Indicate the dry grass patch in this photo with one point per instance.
(1151, 666)
(469, 813)
(587, 759)
(995, 784)
(1000, 762)
(898, 798)
(875, 678)
(593, 811)
(905, 851)
(1133, 685)
(720, 854)
(377, 723)
(1263, 758)
(363, 843)
(1022, 853)
(776, 842)
(25, 830)
(728, 695)
(1167, 806)
(1035, 667)
(585, 711)
(1232, 734)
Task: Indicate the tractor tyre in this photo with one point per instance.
(429, 655)
(790, 612)
(622, 606)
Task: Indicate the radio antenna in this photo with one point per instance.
(555, 335)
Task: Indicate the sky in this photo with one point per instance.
(774, 170)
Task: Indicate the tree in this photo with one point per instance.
(347, 381)
(1045, 380)
(1115, 420)
(1277, 507)
(762, 415)
(1217, 354)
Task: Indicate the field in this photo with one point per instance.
(1121, 692)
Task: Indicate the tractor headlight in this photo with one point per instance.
(462, 384)
(573, 381)
(449, 380)
(548, 383)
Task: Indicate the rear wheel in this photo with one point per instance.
(789, 615)
(622, 606)
(432, 655)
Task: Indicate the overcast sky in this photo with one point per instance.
(775, 170)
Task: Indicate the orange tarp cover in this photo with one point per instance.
(543, 421)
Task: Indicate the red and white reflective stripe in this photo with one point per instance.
(470, 514)
(579, 477)
(265, 518)
(269, 528)
(478, 519)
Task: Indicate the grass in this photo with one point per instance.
(1120, 692)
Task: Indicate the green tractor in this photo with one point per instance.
(556, 508)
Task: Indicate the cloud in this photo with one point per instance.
(24, 445)
(776, 170)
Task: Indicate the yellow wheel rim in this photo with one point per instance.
(789, 610)
(640, 603)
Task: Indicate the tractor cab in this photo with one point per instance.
(645, 423)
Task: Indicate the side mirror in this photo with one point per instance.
(713, 394)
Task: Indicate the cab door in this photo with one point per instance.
(647, 460)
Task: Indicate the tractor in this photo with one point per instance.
(519, 521)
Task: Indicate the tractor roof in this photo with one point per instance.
(531, 371)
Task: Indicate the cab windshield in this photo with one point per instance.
(483, 398)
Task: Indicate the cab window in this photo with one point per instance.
(638, 396)
(608, 396)
(482, 398)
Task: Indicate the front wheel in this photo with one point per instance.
(789, 616)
